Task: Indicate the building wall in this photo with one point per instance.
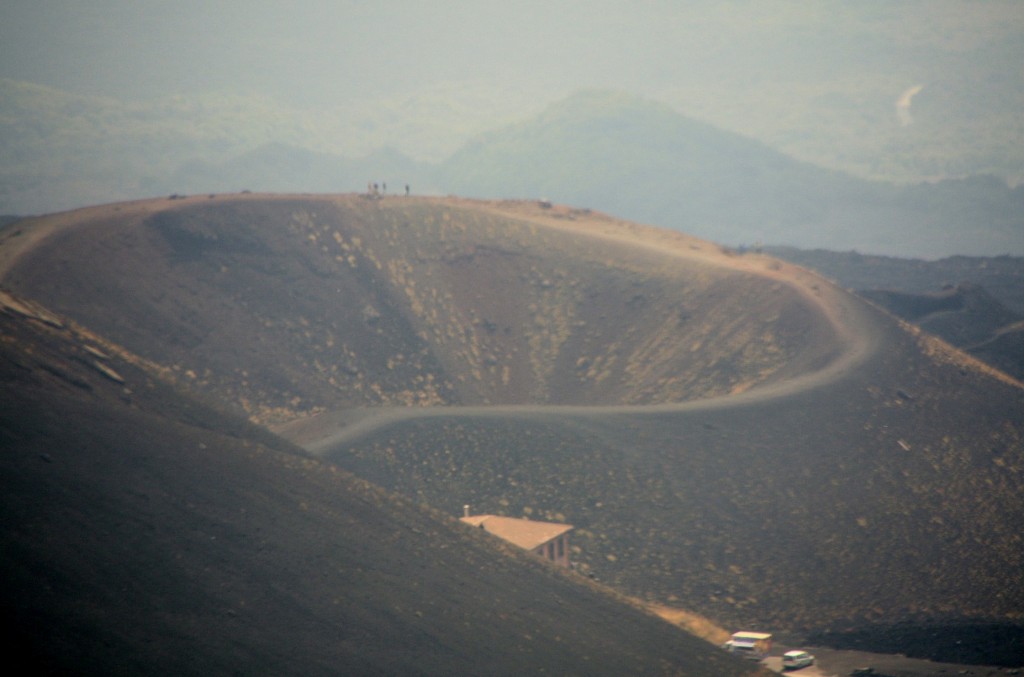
(556, 550)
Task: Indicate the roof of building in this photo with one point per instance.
(524, 533)
(751, 635)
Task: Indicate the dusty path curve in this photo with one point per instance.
(21, 236)
(856, 326)
(323, 433)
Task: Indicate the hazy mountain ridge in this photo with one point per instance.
(610, 151)
(936, 313)
(65, 150)
(628, 156)
(820, 83)
(974, 303)
(966, 316)
(1002, 276)
(889, 489)
(597, 146)
(279, 168)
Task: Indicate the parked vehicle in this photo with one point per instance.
(792, 660)
(752, 645)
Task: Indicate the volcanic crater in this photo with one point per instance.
(729, 433)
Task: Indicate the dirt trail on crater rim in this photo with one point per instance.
(856, 332)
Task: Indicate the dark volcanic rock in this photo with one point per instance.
(146, 533)
(998, 643)
(745, 439)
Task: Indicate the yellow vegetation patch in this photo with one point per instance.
(693, 623)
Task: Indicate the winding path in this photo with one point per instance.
(856, 325)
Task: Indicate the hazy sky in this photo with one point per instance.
(818, 79)
(317, 51)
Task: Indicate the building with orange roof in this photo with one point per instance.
(547, 539)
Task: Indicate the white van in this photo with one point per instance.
(752, 645)
(791, 660)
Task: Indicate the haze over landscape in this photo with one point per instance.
(117, 100)
(734, 288)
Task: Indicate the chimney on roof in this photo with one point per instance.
(465, 510)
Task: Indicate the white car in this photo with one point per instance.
(792, 660)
